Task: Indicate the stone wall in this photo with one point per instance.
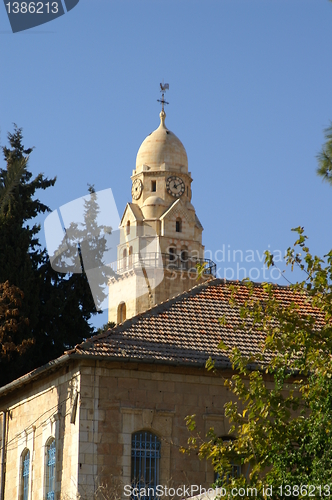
(41, 411)
(119, 399)
(92, 408)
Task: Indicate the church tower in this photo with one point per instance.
(160, 233)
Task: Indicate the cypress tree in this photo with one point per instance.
(49, 311)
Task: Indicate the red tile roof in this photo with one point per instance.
(186, 329)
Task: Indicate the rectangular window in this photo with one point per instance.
(153, 185)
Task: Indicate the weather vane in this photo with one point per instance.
(163, 88)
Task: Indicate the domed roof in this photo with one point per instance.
(154, 200)
(162, 146)
(153, 207)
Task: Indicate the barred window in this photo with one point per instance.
(50, 470)
(235, 471)
(25, 474)
(145, 459)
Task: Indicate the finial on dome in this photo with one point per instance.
(162, 115)
(163, 87)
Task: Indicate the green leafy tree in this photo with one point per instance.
(282, 415)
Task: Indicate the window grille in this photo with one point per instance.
(50, 471)
(25, 474)
(145, 458)
(235, 471)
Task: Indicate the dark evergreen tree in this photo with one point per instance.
(325, 157)
(53, 309)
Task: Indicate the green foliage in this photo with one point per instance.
(14, 174)
(282, 414)
(325, 157)
(103, 329)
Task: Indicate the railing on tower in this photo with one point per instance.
(171, 262)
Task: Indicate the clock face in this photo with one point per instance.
(136, 189)
(175, 186)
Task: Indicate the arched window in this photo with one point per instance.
(145, 460)
(124, 259)
(178, 225)
(25, 474)
(50, 469)
(172, 254)
(128, 227)
(184, 258)
(130, 260)
(121, 315)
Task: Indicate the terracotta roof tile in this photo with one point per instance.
(185, 329)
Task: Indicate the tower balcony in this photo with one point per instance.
(170, 262)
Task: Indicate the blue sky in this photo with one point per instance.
(250, 95)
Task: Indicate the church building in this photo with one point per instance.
(109, 415)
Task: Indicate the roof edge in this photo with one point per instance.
(29, 377)
(54, 364)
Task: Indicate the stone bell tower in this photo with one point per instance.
(160, 233)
